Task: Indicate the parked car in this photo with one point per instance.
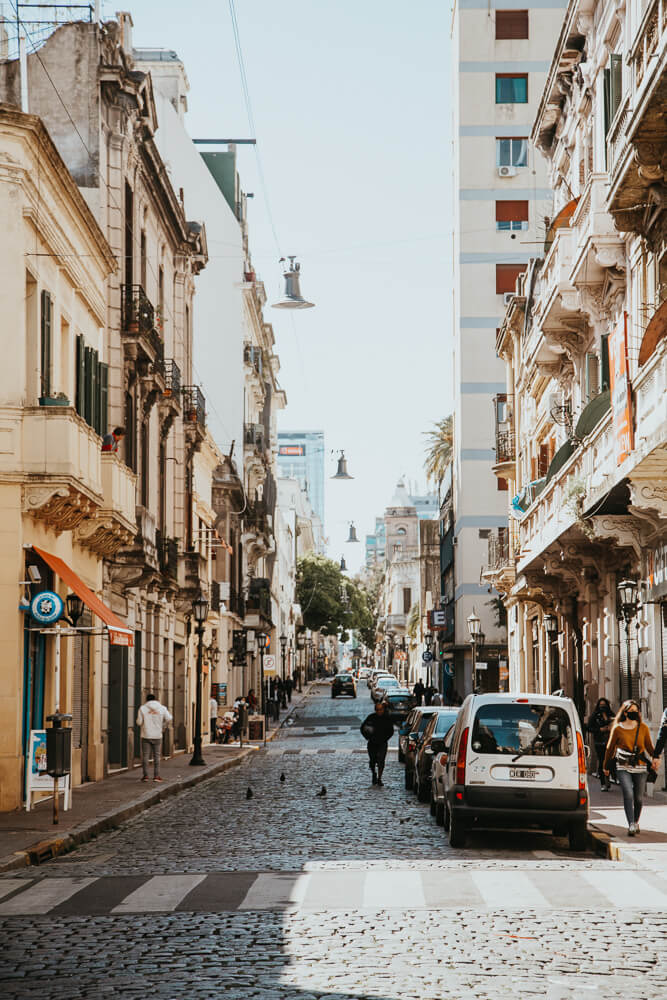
(432, 742)
(517, 760)
(383, 687)
(399, 702)
(372, 678)
(343, 684)
(420, 719)
(362, 673)
(438, 768)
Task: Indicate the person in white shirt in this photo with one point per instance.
(153, 718)
(213, 713)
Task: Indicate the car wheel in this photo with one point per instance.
(401, 756)
(333, 695)
(440, 813)
(445, 816)
(408, 778)
(457, 832)
(432, 806)
(578, 836)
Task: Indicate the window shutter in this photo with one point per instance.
(88, 385)
(615, 86)
(604, 359)
(592, 376)
(46, 324)
(511, 24)
(80, 375)
(506, 275)
(94, 377)
(607, 101)
(103, 385)
(511, 211)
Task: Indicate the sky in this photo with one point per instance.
(350, 106)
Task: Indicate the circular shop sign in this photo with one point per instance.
(46, 608)
(427, 656)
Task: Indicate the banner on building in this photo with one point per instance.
(621, 401)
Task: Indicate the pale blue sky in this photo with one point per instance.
(350, 101)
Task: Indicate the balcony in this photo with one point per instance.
(236, 603)
(259, 600)
(256, 517)
(557, 299)
(254, 437)
(503, 549)
(253, 358)
(59, 456)
(172, 382)
(114, 524)
(167, 555)
(597, 244)
(503, 409)
(396, 621)
(142, 343)
(194, 416)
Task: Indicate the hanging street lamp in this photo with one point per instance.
(292, 297)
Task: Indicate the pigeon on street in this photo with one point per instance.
(282, 777)
(248, 794)
(322, 792)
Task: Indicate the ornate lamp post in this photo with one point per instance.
(283, 647)
(309, 659)
(300, 643)
(629, 605)
(550, 625)
(262, 643)
(200, 614)
(474, 629)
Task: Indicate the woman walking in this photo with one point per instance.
(598, 726)
(631, 747)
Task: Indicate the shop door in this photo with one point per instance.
(180, 734)
(80, 700)
(118, 690)
(34, 659)
(629, 684)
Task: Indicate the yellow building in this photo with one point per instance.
(65, 505)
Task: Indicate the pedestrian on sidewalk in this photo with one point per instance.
(599, 726)
(418, 692)
(153, 718)
(377, 729)
(213, 712)
(288, 688)
(251, 701)
(661, 741)
(631, 747)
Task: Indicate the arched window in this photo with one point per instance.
(401, 531)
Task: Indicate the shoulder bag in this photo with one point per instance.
(629, 758)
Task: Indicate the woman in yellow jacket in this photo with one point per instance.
(631, 747)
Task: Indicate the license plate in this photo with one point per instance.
(522, 774)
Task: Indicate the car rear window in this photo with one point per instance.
(443, 722)
(541, 730)
(398, 697)
(423, 721)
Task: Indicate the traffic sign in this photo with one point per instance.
(427, 656)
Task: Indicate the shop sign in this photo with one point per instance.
(46, 607)
(437, 618)
(481, 665)
(656, 575)
(621, 406)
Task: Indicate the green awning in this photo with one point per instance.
(592, 414)
(561, 457)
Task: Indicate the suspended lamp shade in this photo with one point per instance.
(75, 607)
(353, 533)
(341, 472)
(292, 297)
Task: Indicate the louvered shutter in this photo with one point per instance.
(511, 211)
(94, 378)
(604, 361)
(103, 387)
(46, 333)
(592, 376)
(511, 24)
(88, 385)
(80, 376)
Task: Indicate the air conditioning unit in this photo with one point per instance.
(507, 298)
(507, 171)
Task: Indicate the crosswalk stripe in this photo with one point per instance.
(10, 885)
(161, 894)
(275, 890)
(567, 890)
(450, 888)
(393, 889)
(44, 895)
(508, 890)
(332, 890)
(626, 889)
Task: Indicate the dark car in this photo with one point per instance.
(399, 702)
(432, 742)
(419, 719)
(343, 684)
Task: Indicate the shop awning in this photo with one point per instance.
(654, 333)
(119, 634)
(560, 458)
(592, 414)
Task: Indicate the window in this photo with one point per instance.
(501, 485)
(613, 90)
(511, 152)
(506, 275)
(401, 531)
(92, 387)
(511, 88)
(46, 331)
(604, 360)
(511, 216)
(130, 432)
(407, 600)
(511, 24)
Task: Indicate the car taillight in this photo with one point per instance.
(582, 763)
(461, 758)
(412, 744)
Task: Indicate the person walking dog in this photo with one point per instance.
(377, 729)
(631, 747)
(153, 718)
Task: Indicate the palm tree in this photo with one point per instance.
(439, 448)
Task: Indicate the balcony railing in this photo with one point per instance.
(236, 603)
(259, 598)
(167, 555)
(254, 436)
(502, 548)
(505, 449)
(172, 379)
(256, 516)
(252, 356)
(138, 311)
(648, 39)
(194, 405)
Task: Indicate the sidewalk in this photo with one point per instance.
(30, 838)
(609, 828)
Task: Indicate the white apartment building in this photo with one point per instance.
(585, 346)
(501, 52)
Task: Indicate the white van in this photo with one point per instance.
(517, 760)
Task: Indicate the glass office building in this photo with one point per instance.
(301, 456)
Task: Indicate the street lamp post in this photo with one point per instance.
(474, 629)
(627, 595)
(550, 625)
(200, 614)
(300, 643)
(283, 649)
(262, 642)
(428, 639)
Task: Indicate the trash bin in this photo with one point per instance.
(58, 746)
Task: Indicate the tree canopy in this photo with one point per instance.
(440, 444)
(330, 602)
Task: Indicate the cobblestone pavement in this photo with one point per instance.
(289, 896)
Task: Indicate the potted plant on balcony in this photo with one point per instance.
(58, 399)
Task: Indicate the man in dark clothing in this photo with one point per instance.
(661, 740)
(377, 729)
(418, 692)
(428, 694)
(288, 688)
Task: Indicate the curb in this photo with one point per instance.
(604, 845)
(49, 848)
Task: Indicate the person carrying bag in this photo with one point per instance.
(630, 746)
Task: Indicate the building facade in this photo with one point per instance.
(301, 456)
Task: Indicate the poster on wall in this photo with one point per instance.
(37, 779)
(621, 401)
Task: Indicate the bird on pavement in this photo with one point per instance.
(282, 777)
(322, 792)
(248, 793)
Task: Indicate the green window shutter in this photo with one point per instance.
(607, 101)
(88, 385)
(592, 376)
(103, 381)
(615, 86)
(46, 334)
(80, 375)
(94, 377)
(604, 358)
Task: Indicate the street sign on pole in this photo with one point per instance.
(269, 665)
(427, 656)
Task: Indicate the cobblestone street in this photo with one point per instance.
(355, 894)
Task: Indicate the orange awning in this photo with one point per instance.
(119, 634)
(654, 333)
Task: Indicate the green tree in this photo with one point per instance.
(331, 603)
(439, 448)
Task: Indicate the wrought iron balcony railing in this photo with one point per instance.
(138, 311)
(194, 405)
(172, 378)
(505, 450)
(254, 435)
(215, 596)
(236, 603)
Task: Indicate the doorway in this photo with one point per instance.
(34, 660)
(180, 689)
(118, 692)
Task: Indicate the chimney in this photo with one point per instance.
(126, 24)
